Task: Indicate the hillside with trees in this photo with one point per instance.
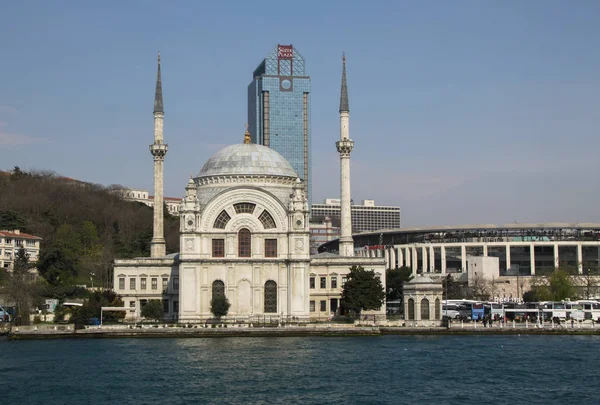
(83, 226)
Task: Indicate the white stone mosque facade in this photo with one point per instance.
(245, 234)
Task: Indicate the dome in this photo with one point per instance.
(247, 159)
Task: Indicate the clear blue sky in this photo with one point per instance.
(462, 112)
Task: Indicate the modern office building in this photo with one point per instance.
(279, 109)
(322, 232)
(365, 217)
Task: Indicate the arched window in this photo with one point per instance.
(437, 309)
(218, 288)
(411, 309)
(244, 208)
(267, 220)
(222, 220)
(425, 309)
(244, 243)
(271, 296)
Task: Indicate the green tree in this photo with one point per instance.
(91, 308)
(561, 285)
(362, 291)
(394, 282)
(21, 288)
(219, 305)
(153, 310)
(11, 220)
(90, 260)
(57, 266)
(557, 286)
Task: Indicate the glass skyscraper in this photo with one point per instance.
(279, 109)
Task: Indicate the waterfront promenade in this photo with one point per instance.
(46, 331)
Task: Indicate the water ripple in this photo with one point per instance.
(311, 370)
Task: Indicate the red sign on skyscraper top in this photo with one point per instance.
(285, 51)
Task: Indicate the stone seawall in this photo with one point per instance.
(163, 331)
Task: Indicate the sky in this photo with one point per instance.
(461, 112)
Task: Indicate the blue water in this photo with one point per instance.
(308, 370)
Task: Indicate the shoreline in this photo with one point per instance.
(28, 333)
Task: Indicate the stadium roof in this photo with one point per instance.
(490, 227)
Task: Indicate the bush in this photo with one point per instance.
(153, 310)
(219, 305)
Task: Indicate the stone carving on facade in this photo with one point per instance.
(221, 202)
(189, 244)
(244, 222)
(344, 147)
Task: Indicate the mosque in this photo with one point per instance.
(244, 234)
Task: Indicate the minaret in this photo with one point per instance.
(344, 147)
(158, 150)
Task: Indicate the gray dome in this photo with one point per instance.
(247, 159)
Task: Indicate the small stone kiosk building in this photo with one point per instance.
(423, 302)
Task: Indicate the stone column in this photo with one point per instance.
(415, 259)
(485, 249)
(408, 257)
(507, 257)
(424, 260)
(556, 258)
(532, 259)
(431, 259)
(443, 258)
(400, 257)
(579, 259)
(463, 258)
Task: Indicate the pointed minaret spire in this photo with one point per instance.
(344, 106)
(158, 99)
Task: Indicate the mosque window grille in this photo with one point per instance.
(267, 220)
(425, 309)
(218, 248)
(270, 247)
(312, 306)
(437, 309)
(132, 283)
(218, 288)
(411, 309)
(244, 208)
(143, 283)
(244, 243)
(270, 297)
(121, 283)
(222, 220)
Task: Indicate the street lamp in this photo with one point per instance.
(92, 279)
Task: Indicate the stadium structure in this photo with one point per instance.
(521, 251)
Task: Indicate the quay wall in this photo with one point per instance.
(200, 331)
